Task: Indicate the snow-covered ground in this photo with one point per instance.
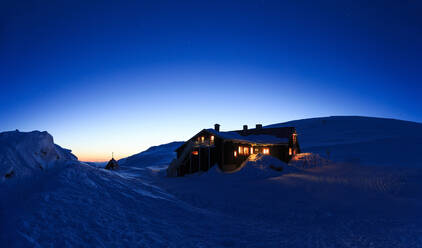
(318, 200)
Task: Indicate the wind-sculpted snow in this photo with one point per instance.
(24, 155)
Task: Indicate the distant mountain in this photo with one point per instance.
(155, 156)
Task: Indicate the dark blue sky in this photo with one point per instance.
(123, 75)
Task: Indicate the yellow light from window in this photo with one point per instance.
(240, 150)
(212, 137)
(245, 150)
(251, 150)
(266, 150)
(202, 138)
(235, 153)
(290, 151)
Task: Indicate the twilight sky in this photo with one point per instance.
(122, 76)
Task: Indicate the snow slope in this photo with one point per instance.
(361, 140)
(314, 204)
(158, 157)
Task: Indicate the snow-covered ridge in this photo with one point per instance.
(155, 156)
(360, 140)
(24, 153)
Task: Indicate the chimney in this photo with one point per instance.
(258, 126)
(245, 127)
(217, 127)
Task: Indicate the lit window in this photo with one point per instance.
(290, 151)
(245, 150)
(212, 138)
(202, 138)
(195, 152)
(251, 150)
(266, 150)
(235, 153)
(240, 150)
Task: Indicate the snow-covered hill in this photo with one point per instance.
(155, 157)
(361, 140)
(315, 202)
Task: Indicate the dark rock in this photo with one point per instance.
(10, 174)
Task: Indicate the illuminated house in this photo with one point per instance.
(229, 150)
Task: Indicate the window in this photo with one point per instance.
(246, 150)
(235, 153)
(212, 138)
(202, 139)
(195, 152)
(266, 150)
(251, 150)
(290, 151)
(240, 150)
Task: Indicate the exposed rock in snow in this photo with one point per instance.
(24, 153)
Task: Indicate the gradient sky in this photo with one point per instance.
(121, 76)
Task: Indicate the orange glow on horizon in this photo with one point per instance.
(96, 157)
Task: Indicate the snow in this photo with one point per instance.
(312, 202)
(361, 140)
(308, 160)
(24, 154)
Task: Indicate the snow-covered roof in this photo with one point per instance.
(252, 138)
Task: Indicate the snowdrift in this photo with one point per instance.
(24, 154)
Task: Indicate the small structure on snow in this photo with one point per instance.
(112, 164)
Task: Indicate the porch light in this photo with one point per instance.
(266, 151)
